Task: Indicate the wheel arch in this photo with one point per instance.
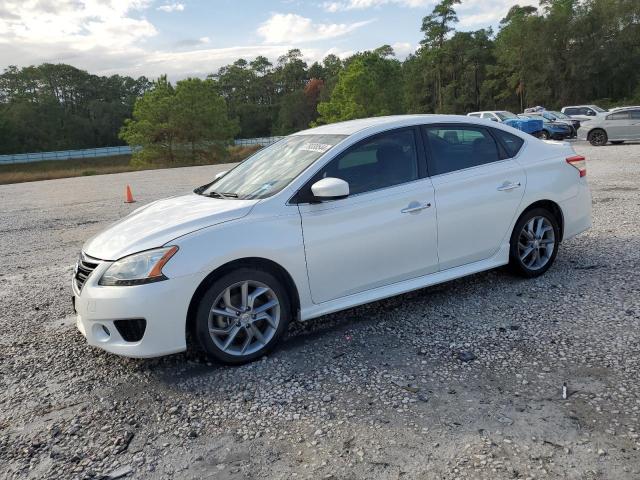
(595, 129)
(550, 205)
(251, 262)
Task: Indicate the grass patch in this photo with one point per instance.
(52, 169)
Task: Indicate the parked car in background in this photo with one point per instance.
(614, 109)
(584, 113)
(495, 115)
(323, 220)
(558, 117)
(616, 127)
(532, 127)
(551, 130)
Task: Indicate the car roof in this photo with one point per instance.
(629, 107)
(579, 106)
(384, 123)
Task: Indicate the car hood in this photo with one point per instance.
(157, 223)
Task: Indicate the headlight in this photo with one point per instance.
(139, 268)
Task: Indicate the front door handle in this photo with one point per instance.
(415, 207)
(506, 186)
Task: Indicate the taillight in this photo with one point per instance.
(579, 162)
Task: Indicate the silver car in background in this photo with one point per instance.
(616, 127)
(584, 113)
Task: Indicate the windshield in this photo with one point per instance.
(560, 115)
(505, 115)
(271, 169)
(598, 109)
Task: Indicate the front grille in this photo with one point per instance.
(84, 267)
(131, 330)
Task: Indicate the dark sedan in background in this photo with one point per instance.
(552, 130)
(558, 117)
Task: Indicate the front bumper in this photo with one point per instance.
(561, 135)
(583, 134)
(163, 306)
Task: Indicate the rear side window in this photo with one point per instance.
(619, 116)
(635, 114)
(456, 148)
(512, 143)
(571, 111)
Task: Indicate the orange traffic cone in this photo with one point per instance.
(128, 197)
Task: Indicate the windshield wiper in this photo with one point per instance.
(214, 194)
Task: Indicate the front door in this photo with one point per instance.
(384, 231)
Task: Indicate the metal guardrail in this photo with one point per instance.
(64, 155)
(107, 152)
(263, 141)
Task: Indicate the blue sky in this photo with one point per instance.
(195, 37)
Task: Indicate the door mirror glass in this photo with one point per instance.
(330, 189)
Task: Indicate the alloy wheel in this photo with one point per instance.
(536, 243)
(244, 318)
(598, 138)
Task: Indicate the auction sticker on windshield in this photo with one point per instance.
(315, 147)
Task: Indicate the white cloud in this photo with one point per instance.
(72, 25)
(289, 27)
(171, 7)
(477, 14)
(403, 49)
(472, 13)
(336, 6)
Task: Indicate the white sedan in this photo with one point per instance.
(324, 220)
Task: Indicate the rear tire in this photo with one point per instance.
(544, 135)
(598, 137)
(242, 316)
(534, 243)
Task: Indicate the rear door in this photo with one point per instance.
(617, 125)
(478, 188)
(633, 131)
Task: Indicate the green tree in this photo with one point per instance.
(371, 85)
(436, 26)
(174, 124)
(151, 131)
(52, 107)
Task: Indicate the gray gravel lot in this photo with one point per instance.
(378, 391)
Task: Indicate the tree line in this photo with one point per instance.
(563, 52)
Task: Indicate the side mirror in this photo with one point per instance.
(330, 189)
(591, 113)
(220, 175)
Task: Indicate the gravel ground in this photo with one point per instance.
(461, 380)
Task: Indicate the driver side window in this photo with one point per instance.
(382, 161)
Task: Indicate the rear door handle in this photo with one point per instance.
(415, 207)
(506, 186)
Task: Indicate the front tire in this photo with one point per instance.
(242, 316)
(534, 243)
(598, 137)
